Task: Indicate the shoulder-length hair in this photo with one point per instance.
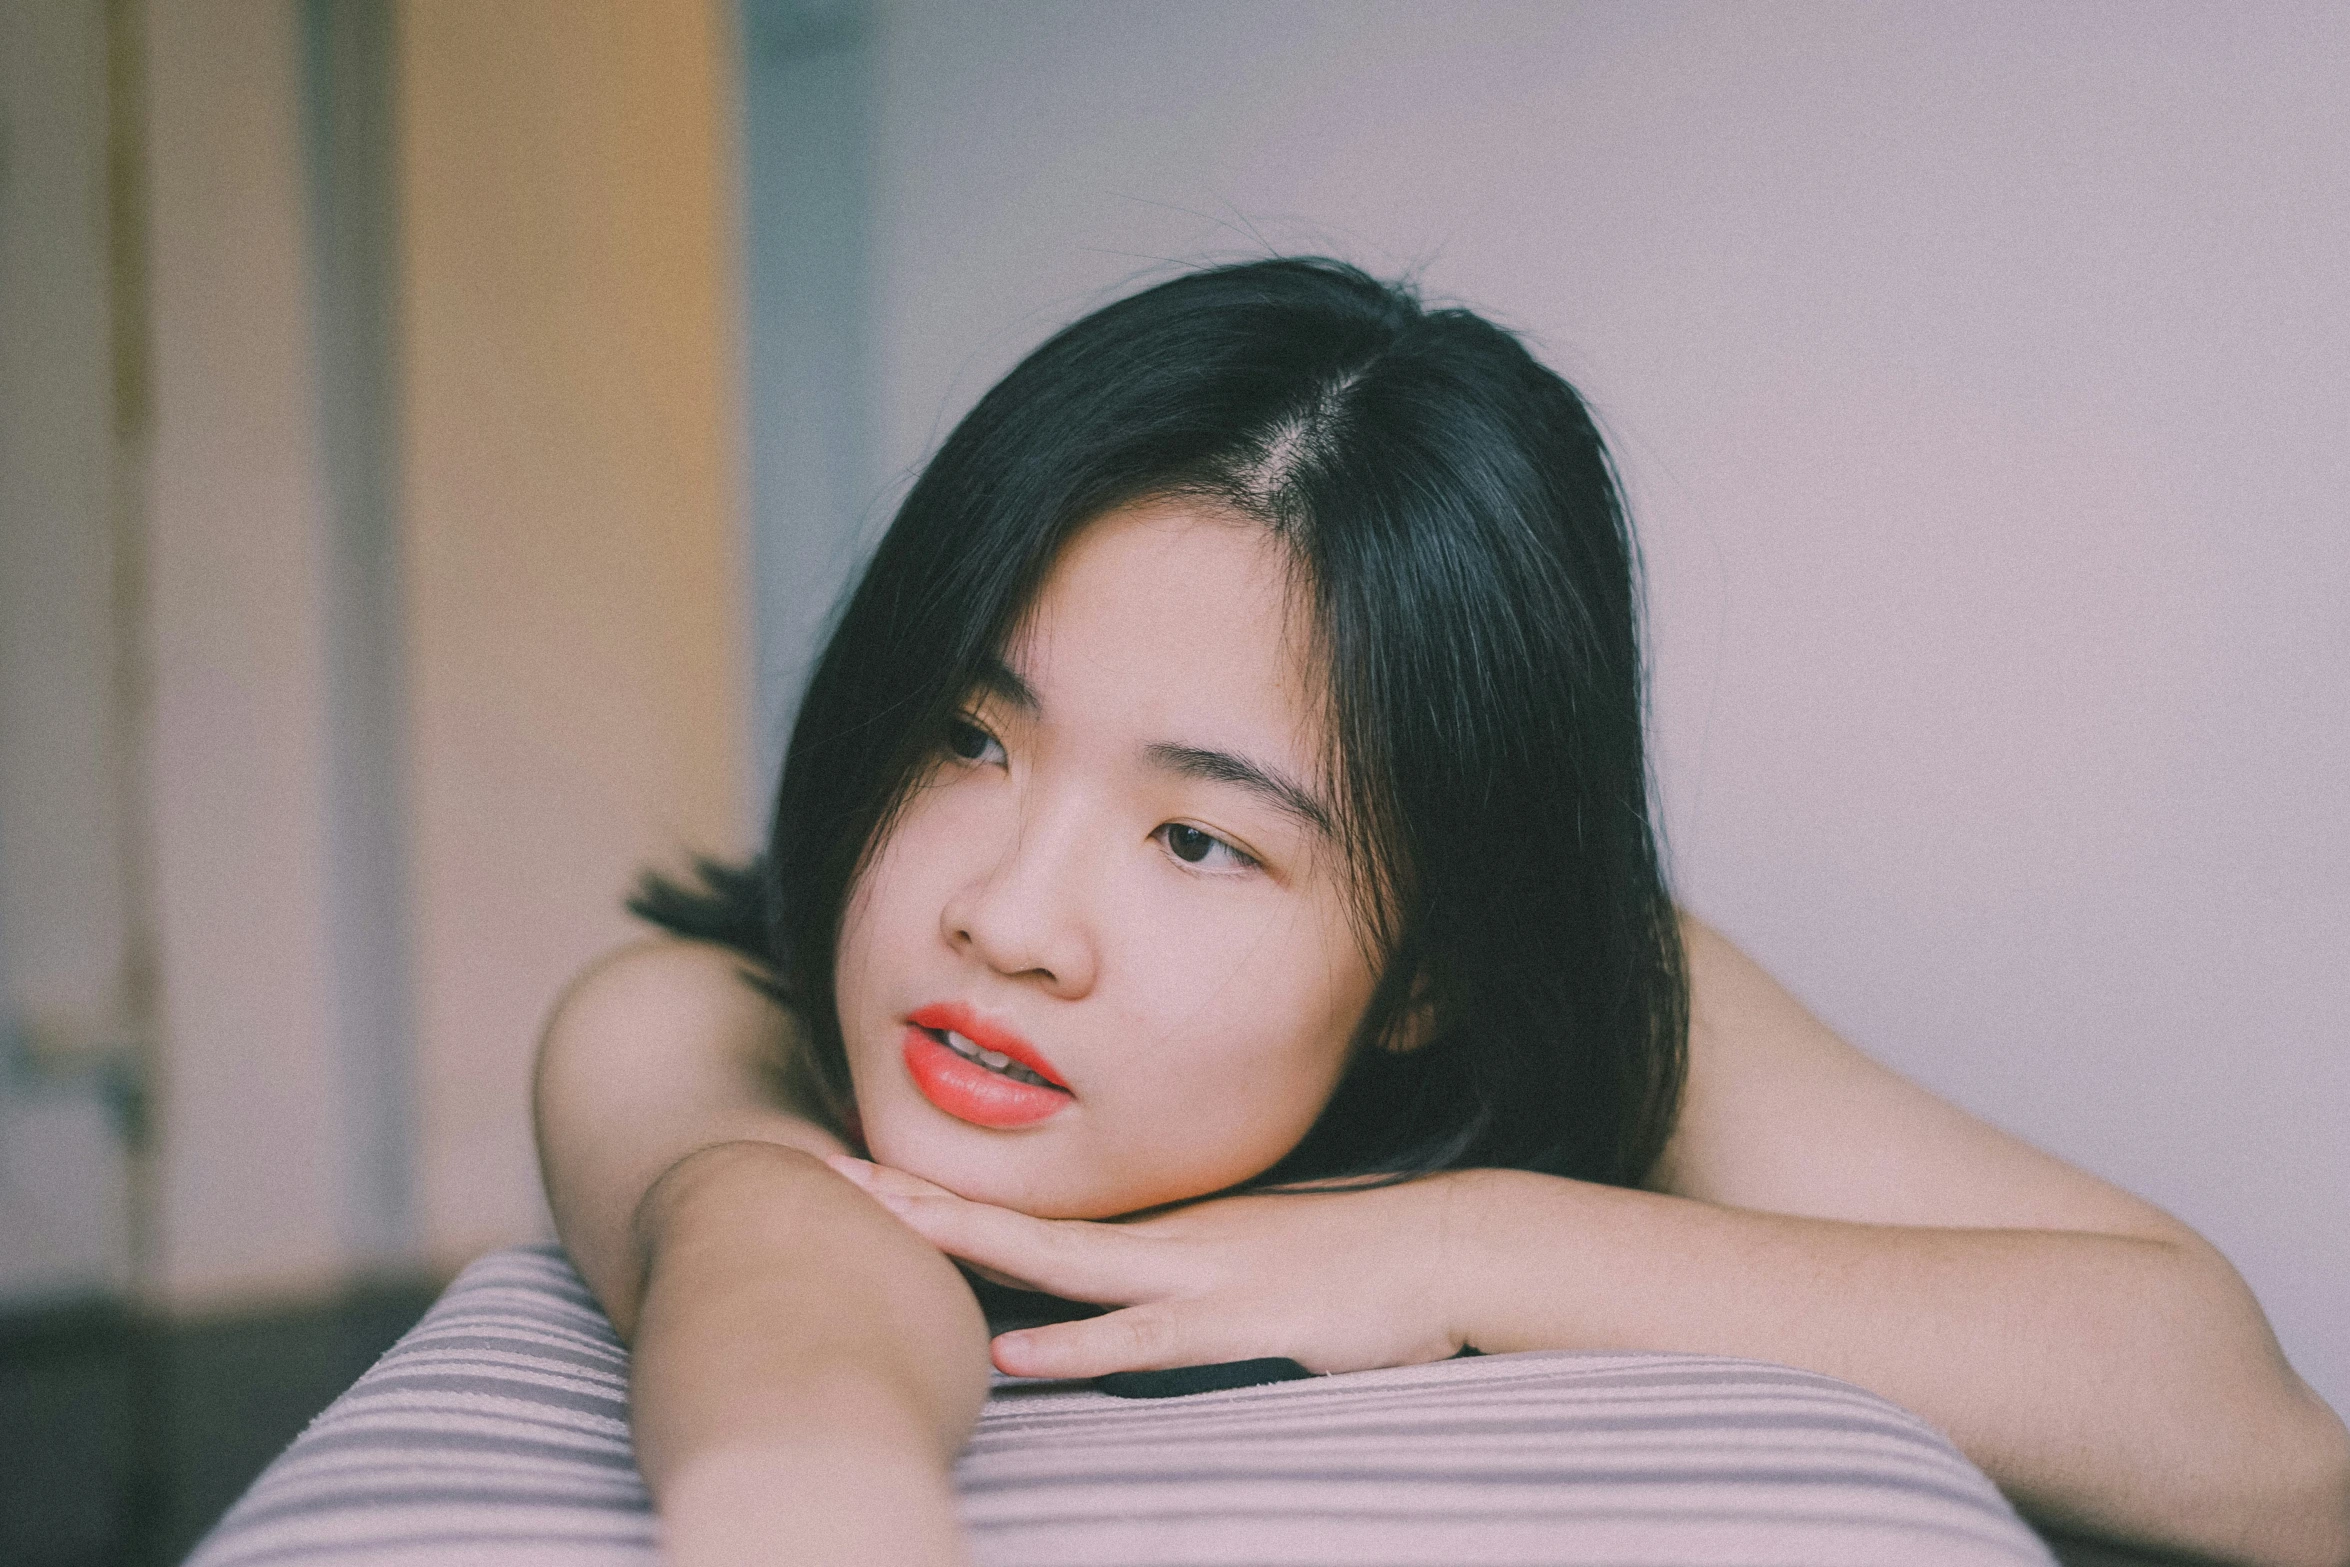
(1474, 584)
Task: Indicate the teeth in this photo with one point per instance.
(994, 1060)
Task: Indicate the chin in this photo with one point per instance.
(1024, 1174)
(980, 1165)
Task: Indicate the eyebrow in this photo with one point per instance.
(1284, 794)
(996, 678)
(999, 680)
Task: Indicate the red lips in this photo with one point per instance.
(945, 1015)
(968, 1091)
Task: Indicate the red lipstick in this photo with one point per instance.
(966, 1089)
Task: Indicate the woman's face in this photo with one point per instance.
(1119, 874)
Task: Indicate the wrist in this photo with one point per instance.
(1516, 1224)
(1471, 1264)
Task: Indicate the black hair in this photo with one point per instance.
(1474, 586)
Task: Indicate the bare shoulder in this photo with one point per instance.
(1782, 1115)
(660, 980)
(662, 1029)
(659, 1049)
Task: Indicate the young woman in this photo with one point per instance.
(1222, 808)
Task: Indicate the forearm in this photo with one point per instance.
(805, 1369)
(2114, 1385)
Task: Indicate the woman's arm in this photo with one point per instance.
(2098, 1358)
(2114, 1386)
(804, 1368)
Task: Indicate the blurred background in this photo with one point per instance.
(432, 435)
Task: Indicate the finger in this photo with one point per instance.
(882, 1180)
(1071, 1258)
(891, 1188)
(1140, 1338)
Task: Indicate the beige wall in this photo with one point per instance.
(574, 583)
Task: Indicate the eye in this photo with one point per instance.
(970, 742)
(1195, 846)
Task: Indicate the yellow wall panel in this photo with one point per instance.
(574, 619)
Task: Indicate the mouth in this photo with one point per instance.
(990, 1060)
(961, 1029)
(977, 1072)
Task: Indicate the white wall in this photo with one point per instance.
(1978, 374)
(252, 1174)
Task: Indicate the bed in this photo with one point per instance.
(496, 1432)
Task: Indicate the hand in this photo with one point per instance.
(1340, 1279)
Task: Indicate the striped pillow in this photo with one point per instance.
(497, 1432)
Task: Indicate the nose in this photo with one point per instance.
(1024, 913)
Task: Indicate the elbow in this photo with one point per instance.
(2328, 1536)
(2305, 1519)
(2281, 1499)
(2256, 1469)
(2291, 1451)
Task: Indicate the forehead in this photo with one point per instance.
(1180, 617)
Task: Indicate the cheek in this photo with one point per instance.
(1323, 986)
(1210, 1123)
(884, 918)
(1243, 1065)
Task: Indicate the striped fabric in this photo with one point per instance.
(496, 1432)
